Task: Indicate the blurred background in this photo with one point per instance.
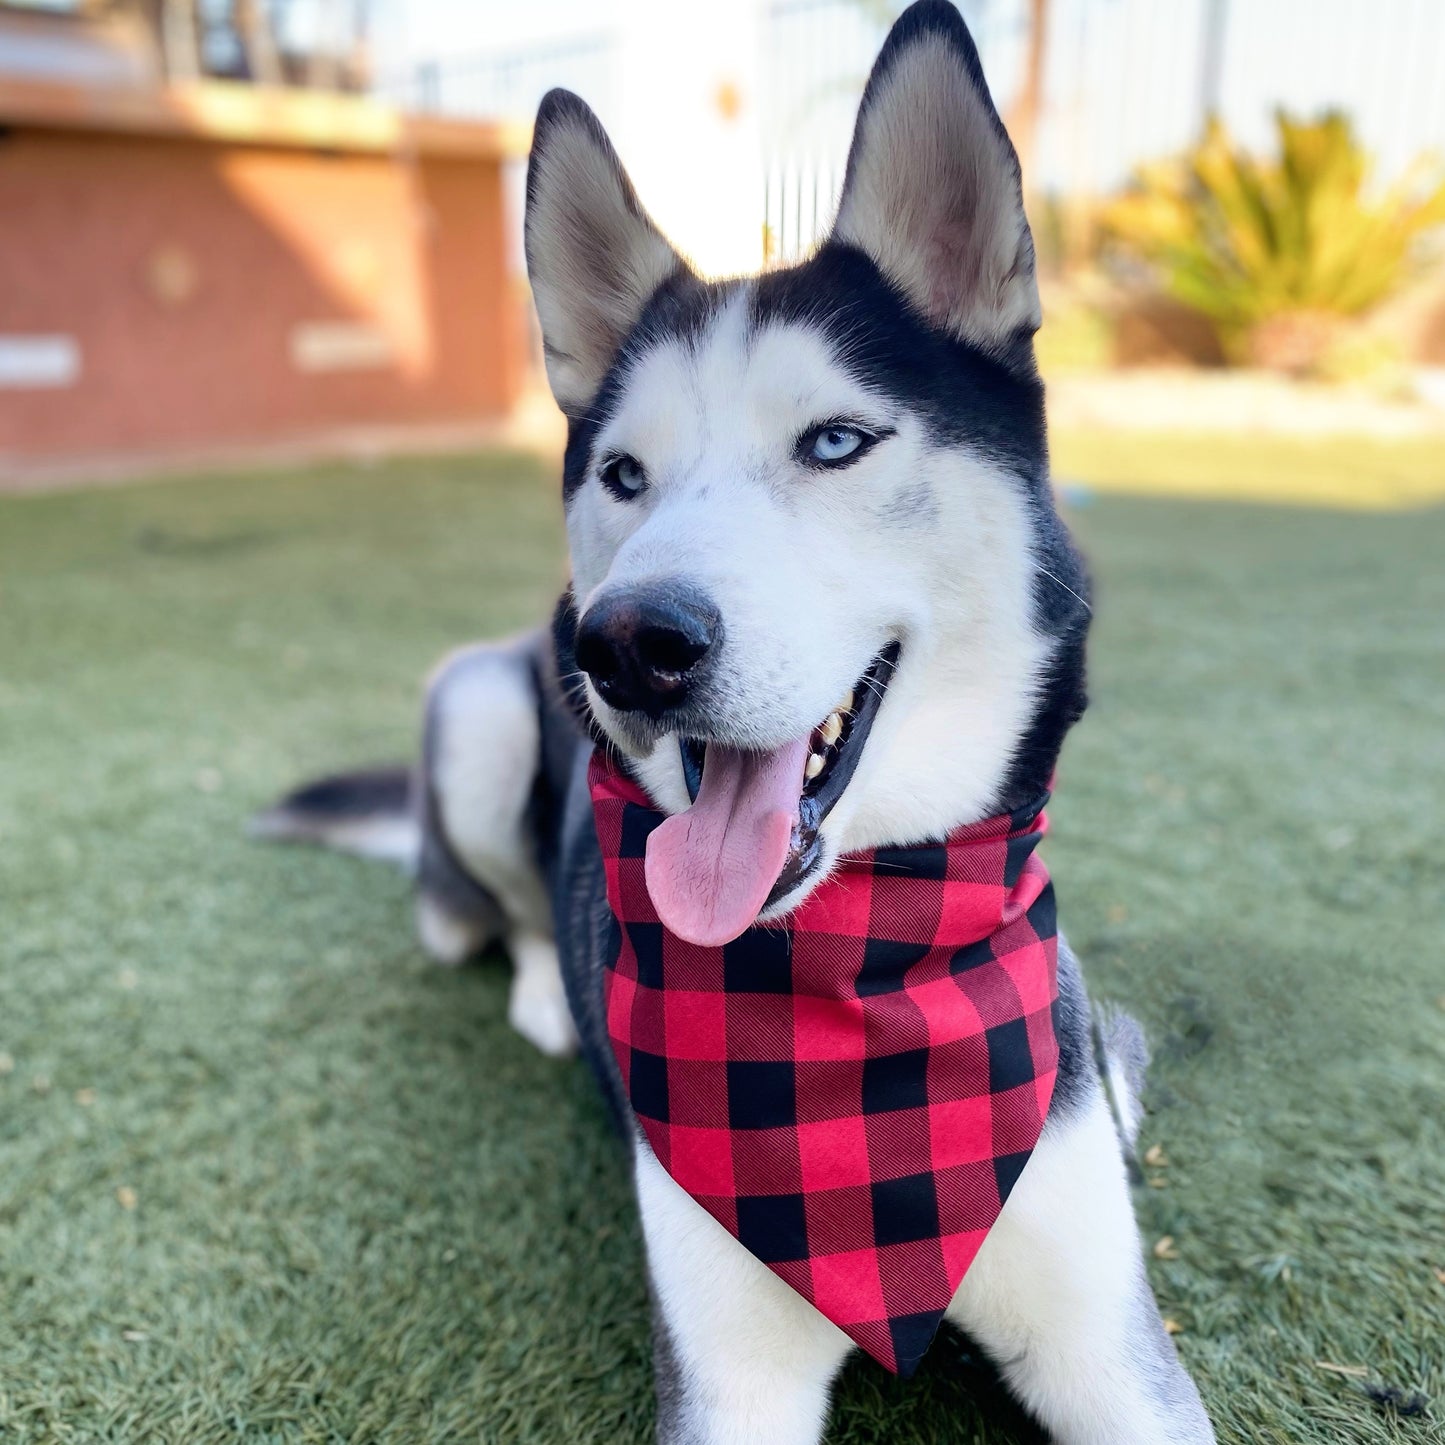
(298, 221)
(266, 1173)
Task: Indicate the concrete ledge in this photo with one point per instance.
(534, 426)
(216, 110)
(1249, 402)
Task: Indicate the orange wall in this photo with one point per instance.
(183, 268)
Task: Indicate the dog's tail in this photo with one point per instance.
(370, 812)
(1123, 1058)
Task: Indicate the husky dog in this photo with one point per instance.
(810, 520)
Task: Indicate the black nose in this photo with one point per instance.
(642, 646)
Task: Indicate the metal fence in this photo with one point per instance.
(1122, 81)
(507, 84)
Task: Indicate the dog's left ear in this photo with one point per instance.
(933, 192)
(594, 256)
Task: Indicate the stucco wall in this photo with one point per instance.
(214, 291)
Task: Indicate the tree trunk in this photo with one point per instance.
(1027, 109)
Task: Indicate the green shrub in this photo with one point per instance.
(1076, 336)
(1276, 251)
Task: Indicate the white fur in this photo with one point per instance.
(1124, 1097)
(754, 1361)
(384, 837)
(538, 1006)
(487, 751)
(1057, 1297)
(814, 572)
(450, 940)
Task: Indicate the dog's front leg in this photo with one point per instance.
(1059, 1298)
(740, 1359)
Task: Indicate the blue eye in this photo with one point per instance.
(624, 477)
(835, 443)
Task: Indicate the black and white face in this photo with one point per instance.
(808, 512)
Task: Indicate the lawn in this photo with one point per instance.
(267, 1175)
(1354, 473)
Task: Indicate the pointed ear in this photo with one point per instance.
(593, 255)
(932, 191)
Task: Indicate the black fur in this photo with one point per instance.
(967, 398)
(679, 309)
(989, 402)
(566, 731)
(964, 396)
(570, 687)
(349, 797)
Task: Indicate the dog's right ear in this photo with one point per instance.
(932, 191)
(593, 254)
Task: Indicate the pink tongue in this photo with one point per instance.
(710, 870)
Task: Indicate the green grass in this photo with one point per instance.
(1354, 473)
(362, 1210)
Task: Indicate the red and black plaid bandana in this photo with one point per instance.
(851, 1093)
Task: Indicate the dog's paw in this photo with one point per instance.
(449, 940)
(538, 1006)
(542, 1018)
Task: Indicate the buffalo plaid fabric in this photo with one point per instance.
(854, 1092)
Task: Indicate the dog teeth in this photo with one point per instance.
(832, 730)
(847, 704)
(814, 767)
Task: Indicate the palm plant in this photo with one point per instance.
(1278, 251)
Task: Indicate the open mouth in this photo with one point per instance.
(752, 833)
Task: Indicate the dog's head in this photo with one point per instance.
(821, 597)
